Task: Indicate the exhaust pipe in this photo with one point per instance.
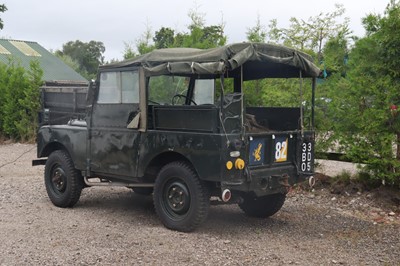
(226, 195)
(311, 181)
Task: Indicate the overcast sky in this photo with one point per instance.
(52, 23)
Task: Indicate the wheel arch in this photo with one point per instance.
(78, 158)
(51, 147)
(162, 159)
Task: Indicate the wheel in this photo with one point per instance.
(145, 191)
(262, 207)
(63, 182)
(181, 199)
(174, 101)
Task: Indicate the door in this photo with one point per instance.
(114, 144)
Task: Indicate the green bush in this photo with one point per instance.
(19, 100)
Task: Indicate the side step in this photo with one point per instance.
(108, 183)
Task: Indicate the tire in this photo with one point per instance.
(145, 191)
(262, 207)
(63, 182)
(181, 199)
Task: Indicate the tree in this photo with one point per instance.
(88, 55)
(197, 17)
(368, 126)
(311, 35)
(129, 51)
(256, 88)
(199, 36)
(257, 33)
(143, 44)
(271, 92)
(164, 38)
(72, 64)
(325, 26)
(335, 54)
(19, 98)
(3, 9)
(213, 36)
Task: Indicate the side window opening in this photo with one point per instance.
(130, 87)
(168, 90)
(109, 88)
(173, 90)
(119, 87)
(204, 91)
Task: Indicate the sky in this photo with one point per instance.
(52, 23)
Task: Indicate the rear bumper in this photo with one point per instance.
(265, 181)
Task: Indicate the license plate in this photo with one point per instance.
(281, 149)
(306, 157)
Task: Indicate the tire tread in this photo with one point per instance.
(75, 180)
(203, 199)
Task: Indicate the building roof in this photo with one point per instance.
(24, 51)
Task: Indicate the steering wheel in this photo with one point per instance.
(150, 101)
(173, 101)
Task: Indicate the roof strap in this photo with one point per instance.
(192, 67)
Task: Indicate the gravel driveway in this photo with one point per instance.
(116, 226)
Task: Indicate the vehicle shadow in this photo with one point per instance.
(132, 208)
(128, 209)
(119, 205)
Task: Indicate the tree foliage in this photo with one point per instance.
(335, 54)
(313, 33)
(69, 61)
(129, 51)
(199, 35)
(257, 33)
(143, 44)
(164, 38)
(364, 107)
(88, 56)
(3, 9)
(357, 102)
(20, 100)
(324, 36)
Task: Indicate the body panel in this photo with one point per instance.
(71, 138)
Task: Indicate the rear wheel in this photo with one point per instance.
(63, 182)
(181, 199)
(262, 207)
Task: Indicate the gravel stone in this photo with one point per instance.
(115, 226)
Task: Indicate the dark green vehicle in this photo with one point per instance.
(173, 123)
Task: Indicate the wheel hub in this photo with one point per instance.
(58, 179)
(178, 198)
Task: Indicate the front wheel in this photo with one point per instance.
(181, 199)
(262, 207)
(63, 182)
